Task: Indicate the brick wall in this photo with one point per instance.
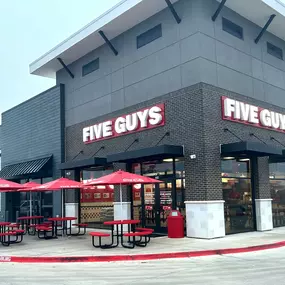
(193, 118)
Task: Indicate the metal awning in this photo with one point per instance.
(36, 168)
(156, 152)
(94, 161)
(247, 148)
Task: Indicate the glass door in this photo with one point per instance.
(157, 205)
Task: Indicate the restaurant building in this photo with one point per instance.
(190, 92)
(32, 146)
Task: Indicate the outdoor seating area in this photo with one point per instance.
(124, 233)
(135, 236)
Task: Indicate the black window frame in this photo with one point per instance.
(90, 67)
(232, 28)
(274, 50)
(149, 36)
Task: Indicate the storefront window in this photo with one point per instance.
(96, 203)
(94, 173)
(277, 190)
(236, 168)
(158, 168)
(277, 171)
(180, 168)
(158, 199)
(237, 194)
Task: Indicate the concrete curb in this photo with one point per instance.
(138, 257)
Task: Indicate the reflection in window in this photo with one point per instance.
(237, 195)
(93, 173)
(277, 190)
(161, 168)
(235, 168)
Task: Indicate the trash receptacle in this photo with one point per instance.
(175, 225)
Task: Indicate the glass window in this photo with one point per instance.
(136, 168)
(274, 51)
(47, 179)
(47, 198)
(235, 168)
(179, 167)
(277, 170)
(149, 36)
(232, 28)
(94, 173)
(90, 67)
(158, 168)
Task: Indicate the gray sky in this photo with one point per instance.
(30, 28)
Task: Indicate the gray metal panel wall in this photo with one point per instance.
(196, 50)
(35, 128)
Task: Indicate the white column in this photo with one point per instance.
(264, 220)
(71, 210)
(205, 219)
(122, 211)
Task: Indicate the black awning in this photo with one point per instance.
(156, 152)
(246, 148)
(36, 168)
(277, 158)
(94, 161)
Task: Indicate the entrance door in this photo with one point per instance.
(157, 205)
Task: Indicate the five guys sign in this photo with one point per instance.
(240, 112)
(145, 119)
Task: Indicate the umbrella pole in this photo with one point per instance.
(121, 199)
(62, 203)
(31, 210)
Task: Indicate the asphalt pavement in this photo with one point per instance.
(255, 268)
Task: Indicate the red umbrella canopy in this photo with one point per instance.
(6, 185)
(123, 178)
(58, 184)
(27, 186)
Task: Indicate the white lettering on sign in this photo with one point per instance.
(236, 111)
(145, 119)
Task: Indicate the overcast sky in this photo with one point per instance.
(29, 29)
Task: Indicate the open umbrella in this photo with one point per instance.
(59, 184)
(27, 188)
(122, 178)
(6, 185)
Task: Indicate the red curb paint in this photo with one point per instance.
(137, 257)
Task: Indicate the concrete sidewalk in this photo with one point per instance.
(81, 246)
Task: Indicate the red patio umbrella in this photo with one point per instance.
(122, 178)
(59, 184)
(27, 188)
(6, 185)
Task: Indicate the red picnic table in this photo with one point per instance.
(119, 235)
(29, 222)
(6, 233)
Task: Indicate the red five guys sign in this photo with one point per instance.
(145, 119)
(240, 112)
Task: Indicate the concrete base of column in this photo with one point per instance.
(205, 219)
(71, 210)
(264, 220)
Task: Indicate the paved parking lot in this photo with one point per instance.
(262, 268)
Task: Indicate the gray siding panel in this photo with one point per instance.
(34, 128)
(196, 50)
